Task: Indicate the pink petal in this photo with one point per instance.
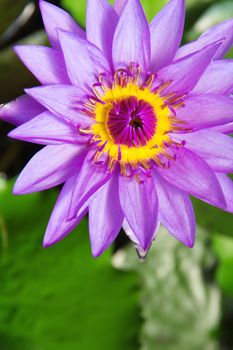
(227, 188)
(20, 110)
(203, 111)
(58, 227)
(105, 217)
(131, 235)
(101, 24)
(45, 63)
(46, 128)
(62, 100)
(218, 32)
(131, 42)
(139, 203)
(217, 79)
(192, 174)
(119, 5)
(214, 147)
(50, 167)
(166, 32)
(179, 72)
(91, 178)
(84, 61)
(226, 129)
(55, 18)
(175, 211)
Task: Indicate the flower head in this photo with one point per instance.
(133, 124)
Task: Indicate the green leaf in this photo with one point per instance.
(77, 10)
(213, 219)
(225, 277)
(153, 7)
(60, 298)
(230, 53)
(223, 248)
(180, 308)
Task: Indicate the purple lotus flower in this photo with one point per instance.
(133, 124)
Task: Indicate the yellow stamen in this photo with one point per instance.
(85, 131)
(126, 84)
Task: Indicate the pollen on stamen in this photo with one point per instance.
(85, 131)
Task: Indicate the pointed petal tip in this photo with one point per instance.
(98, 250)
(145, 244)
(51, 237)
(189, 239)
(132, 26)
(12, 134)
(45, 4)
(142, 254)
(32, 91)
(189, 242)
(17, 48)
(191, 245)
(49, 242)
(21, 53)
(211, 49)
(222, 29)
(184, 239)
(96, 254)
(64, 35)
(17, 189)
(46, 245)
(140, 207)
(20, 110)
(28, 90)
(105, 18)
(164, 51)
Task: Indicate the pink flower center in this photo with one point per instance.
(133, 119)
(131, 122)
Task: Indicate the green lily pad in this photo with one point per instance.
(223, 247)
(60, 298)
(213, 219)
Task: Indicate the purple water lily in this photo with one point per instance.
(133, 124)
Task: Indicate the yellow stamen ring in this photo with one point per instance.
(132, 155)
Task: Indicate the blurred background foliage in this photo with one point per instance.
(61, 298)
